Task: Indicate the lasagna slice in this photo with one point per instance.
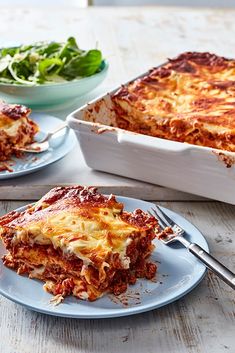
(189, 99)
(80, 243)
(16, 129)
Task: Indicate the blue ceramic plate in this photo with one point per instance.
(178, 273)
(60, 145)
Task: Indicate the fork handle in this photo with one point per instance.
(60, 127)
(214, 265)
(51, 133)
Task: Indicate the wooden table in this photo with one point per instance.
(134, 39)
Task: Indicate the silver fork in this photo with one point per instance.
(178, 235)
(43, 145)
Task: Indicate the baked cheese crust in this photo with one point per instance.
(189, 99)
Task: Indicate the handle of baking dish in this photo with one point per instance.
(150, 143)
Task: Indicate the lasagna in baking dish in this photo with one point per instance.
(80, 243)
(189, 99)
(16, 129)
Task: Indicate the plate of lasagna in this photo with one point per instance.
(81, 254)
(18, 128)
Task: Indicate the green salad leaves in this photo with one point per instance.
(45, 62)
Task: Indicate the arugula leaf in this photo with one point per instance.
(72, 44)
(9, 51)
(70, 50)
(20, 70)
(49, 49)
(84, 65)
(49, 66)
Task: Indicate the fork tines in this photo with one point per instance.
(163, 219)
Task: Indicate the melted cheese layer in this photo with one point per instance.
(90, 234)
(11, 126)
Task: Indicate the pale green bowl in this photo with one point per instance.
(54, 93)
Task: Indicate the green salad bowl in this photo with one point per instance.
(52, 94)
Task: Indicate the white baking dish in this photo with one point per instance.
(198, 170)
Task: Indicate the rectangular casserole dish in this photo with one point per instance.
(190, 168)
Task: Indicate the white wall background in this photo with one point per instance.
(84, 3)
(189, 3)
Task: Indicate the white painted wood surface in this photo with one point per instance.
(133, 40)
(201, 322)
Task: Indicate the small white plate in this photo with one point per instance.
(60, 145)
(178, 273)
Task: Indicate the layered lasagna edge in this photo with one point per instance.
(16, 130)
(89, 269)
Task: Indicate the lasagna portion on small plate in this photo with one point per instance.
(189, 99)
(80, 243)
(16, 130)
